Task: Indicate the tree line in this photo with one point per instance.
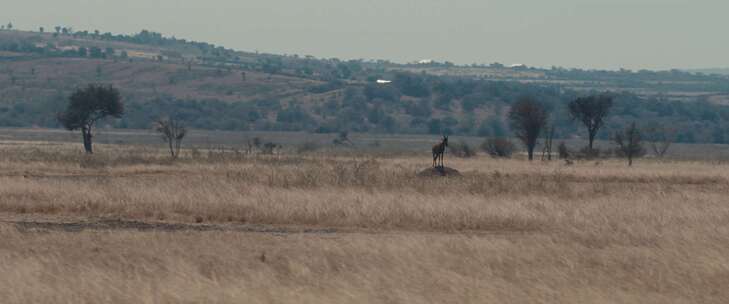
(529, 119)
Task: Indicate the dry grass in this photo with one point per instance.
(507, 232)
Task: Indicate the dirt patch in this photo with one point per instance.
(439, 171)
(117, 224)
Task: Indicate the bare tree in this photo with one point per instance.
(591, 111)
(548, 138)
(173, 131)
(528, 117)
(660, 139)
(629, 143)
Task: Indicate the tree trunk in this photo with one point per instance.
(172, 149)
(592, 139)
(86, 133)
(177, 148)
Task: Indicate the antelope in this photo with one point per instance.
(439, 152)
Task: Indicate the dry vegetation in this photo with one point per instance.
(128, 225)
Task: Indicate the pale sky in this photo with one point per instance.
(606, 34)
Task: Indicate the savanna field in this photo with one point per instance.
(129, 225)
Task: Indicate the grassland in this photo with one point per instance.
(128, 225)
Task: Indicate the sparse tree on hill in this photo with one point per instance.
(173, 131)
(591, 111)
(528, 117)
(87, 106)
(629, 143)
(58, 29)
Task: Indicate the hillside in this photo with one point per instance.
(212, 87)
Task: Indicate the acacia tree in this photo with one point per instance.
(629, 143)
(88, 105)
(591, 111)
(173, 131)
(527, 118)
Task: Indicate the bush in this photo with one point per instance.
(270, 148)
(461, 149)
(308, 147)
(588, 153)
(498, 147)
(564, 152)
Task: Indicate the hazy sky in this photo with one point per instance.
(635, 34)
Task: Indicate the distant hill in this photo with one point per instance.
(713, 71)
(212, 87)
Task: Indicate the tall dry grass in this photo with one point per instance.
(507, 231)
(226, 267)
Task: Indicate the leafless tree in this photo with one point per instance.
(660, 139)
(629, 143)
(548, 138)
(173, 131)
(528, 117)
